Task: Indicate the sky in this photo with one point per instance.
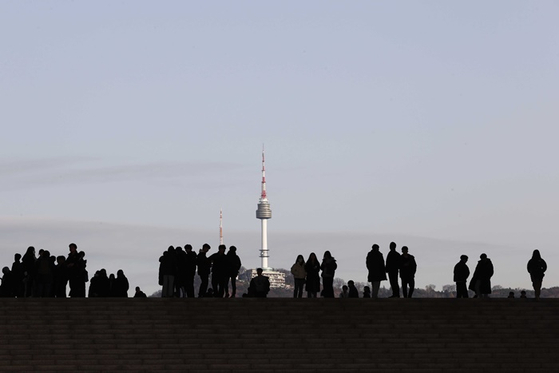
(128, 125)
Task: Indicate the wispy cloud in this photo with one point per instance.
(34, 173)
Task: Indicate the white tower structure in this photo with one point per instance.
(264, 213)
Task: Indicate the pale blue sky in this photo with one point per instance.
(384, 119)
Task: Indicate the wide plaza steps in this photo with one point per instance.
(279, 335)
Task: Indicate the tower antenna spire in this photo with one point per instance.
(263, 195)
(264, 213)
(221, 226)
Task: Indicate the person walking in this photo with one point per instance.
(537, 267)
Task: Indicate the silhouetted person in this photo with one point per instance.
(120, 285)
(93, 286)
(204, 266)
(76, 264)
(103, 285)
(180, 277)
(511, 294)
(7, 286)
(220, 272)
(352, 292)
(233, 267)
(259, 285)
(523, 294)
(408, 267)
(139, 293)
(366, 292)
(112, 279)
(345, 292)
(299, 275)
(190, 270)
(18, 276)
(537, 267)
(392, 268)
(328, 268)
(167, 272)
(481, 280)
(60, 277)
(44, 269)
(28, 262)
(461, 274)
(312, 267)
(377, 270)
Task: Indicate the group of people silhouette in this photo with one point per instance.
(480, 282)
(177, 269)
(307, 275)
(45, 275)
(403, 266)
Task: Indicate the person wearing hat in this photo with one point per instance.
(461, 274)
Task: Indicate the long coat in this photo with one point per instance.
(375, 265)
(483, 272)
(313, 278)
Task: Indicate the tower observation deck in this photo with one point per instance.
(264, 213)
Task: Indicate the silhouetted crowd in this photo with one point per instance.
(403, 266)
(307, 274)
(45, 275)
(177, 269)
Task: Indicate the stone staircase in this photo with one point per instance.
(279, 335)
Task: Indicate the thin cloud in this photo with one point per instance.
(32, 174)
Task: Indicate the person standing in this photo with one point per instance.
(121, 285)
(28, 265)
(481, 280)
(190, 268)
(233, 267)
(328, 268)
(408, 267)
(167, 272)
(537, 267)
(312, 267)
(204, 265)
(377, 270)
(75, 264)
(299, 275)
(18, 276)
(461, 274)
(219, 271)
(392, 267)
